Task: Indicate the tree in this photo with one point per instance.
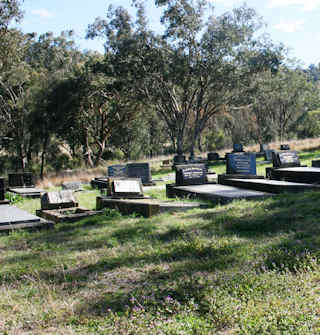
(194, 69)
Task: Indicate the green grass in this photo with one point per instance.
(243, 268)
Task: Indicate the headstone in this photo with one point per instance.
(20, 179)
(264, 147)
(125, 188)
(285, 159)
(284, 147)
(2, 189)
(213, 156)
(268, 155)
(117, 171)
(191, 174)
(179, 159)
(241, 163)
(140, 170)
(59, 199)
(315, 163)
(74, 186)
(237, 147)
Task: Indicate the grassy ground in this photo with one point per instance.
(243, 268)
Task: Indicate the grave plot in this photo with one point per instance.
(287, 167)
(12, 218)
(214, 192)
(22, 183)
(62, 206)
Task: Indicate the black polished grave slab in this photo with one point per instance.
(283, 159)
(27, 192)
(118, 170)
(296, 174)
(191, 174)
(271, 186)
(241, 163)
(215, 192)
(140, 170)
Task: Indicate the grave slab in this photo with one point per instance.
(12, 217)
(271, 186)
(27, 192)
(215, 192)
(303, 174)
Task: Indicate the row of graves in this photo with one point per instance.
(12, 217)
(241, 180)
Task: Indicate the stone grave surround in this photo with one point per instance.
(191, 174)
(241, 163)
(284, 159)
(57, 200)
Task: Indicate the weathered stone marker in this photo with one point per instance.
(191, 174)
(56, 200)
(241, 163)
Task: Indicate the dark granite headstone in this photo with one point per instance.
(2, 189)
(117, 171)
(213, 156)
(284, 147)
(285, 159)
(20, 179)
(237, 147)
(179, 159)
(56, 200)
(140, 170)
(73, 186)
(191, 174)
(241, 163)
(268, 155)
(315, 163)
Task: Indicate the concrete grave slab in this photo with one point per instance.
(215, 192)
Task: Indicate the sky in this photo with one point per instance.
(291, 22)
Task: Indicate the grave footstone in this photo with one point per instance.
(191, 174)
(57, 200)
(74, 186)
(241, 163)
(140, 170)
(117, 171)
(285, 159)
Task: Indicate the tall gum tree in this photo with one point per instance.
(195, 68)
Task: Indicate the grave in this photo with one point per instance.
(117, 171)
(124, 188)
(58, 200)
(12, 217)
(191, 174)
(315, 163)
(27, 192)
(285, 159)
(284, 147)
(214, 192)
(3, 200)
(296, 174)
(270, 186)
(145, 207)
(20, 179)
(212, 156)
(241, 163)
(237, 147)
(140, 170)
(75, 186)
(99, 183)
(179, 159)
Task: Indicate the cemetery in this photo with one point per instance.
(163, 178)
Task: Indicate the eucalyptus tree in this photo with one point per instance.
(192, 70)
